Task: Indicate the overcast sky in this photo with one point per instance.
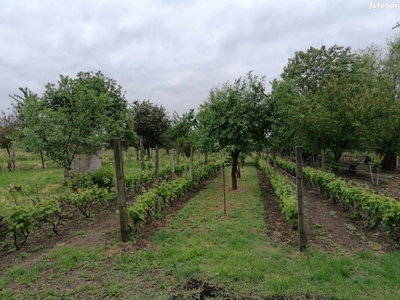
(172, 52)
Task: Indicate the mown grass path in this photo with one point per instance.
(234, 252)
(203, 252)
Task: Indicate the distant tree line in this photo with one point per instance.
(329, 98)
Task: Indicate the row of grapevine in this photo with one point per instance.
(284, 190)
(145, 178)
(21, 219)
(86, 192)
(144, 206)
(29, 214)
(377, 209)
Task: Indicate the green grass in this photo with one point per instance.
(33, 179)
(233, 252)
(230, 251)
(37, 182)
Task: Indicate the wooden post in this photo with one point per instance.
(119, 171)
(141, 152)
(173, 164)
(13, 157)
(299, 181)
(274, 158)
(156, 165)
(322, 160)
(191, 162)
(223, 182)
(206, 158)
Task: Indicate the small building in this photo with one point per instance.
(87, 162)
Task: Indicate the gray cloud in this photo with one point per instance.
(173, 52)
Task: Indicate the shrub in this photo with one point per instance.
(104, 178)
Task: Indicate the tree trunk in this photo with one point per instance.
(322, 160)
(338, 155)
(9, 165)
(234, 156)
(238, 175)
(13, 159)
(42, 159)
(141, 153)
(389, 162)
(66, 176)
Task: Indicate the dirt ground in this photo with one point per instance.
(329, 226)
(388, 183)
(78, 231)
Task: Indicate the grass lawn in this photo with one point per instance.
(230, 255)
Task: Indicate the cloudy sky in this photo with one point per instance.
(172, 52)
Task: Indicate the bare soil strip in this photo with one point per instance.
(330, 227)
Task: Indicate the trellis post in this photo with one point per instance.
(299, 182)
(119, 171)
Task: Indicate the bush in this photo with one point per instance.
(80, 181)
(104, 178)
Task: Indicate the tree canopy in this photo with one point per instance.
(151, 122)
(181, 133)
(384, 98)
(236, 117)
(333, 87)
(9, 124)
(75, 116)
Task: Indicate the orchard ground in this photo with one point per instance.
(196, 252)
